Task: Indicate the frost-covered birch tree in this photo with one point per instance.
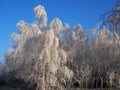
(57, 56)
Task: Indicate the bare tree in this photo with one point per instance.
(112, 18)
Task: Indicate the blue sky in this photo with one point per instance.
(84, 12)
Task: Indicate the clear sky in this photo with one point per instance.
(84, 12)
